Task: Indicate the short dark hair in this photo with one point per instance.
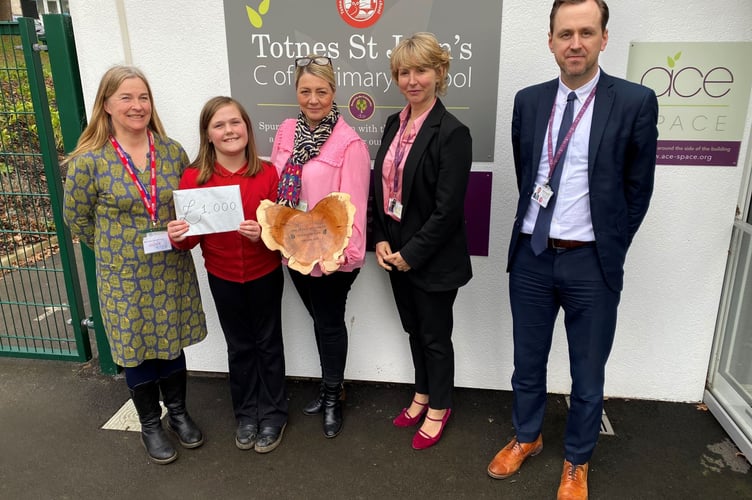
(558, 3)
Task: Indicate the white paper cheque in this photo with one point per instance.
(209, 210)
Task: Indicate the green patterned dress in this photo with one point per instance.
(151, 306)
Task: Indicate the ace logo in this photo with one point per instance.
(688, 81)
(692, 96)
(703, 94)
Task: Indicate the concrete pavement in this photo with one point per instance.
(52, 447)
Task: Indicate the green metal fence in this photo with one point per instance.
(40, 294)
(70, 103)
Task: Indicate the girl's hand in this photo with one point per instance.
(176, 230)
(250, 229)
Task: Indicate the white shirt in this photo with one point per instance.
(571, 219)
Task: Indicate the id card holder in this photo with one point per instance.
(542, 194)
(156, 241)
(302, 206)
(395, 208)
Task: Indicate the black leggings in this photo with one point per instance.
(325, 297)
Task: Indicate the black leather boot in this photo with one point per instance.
(153, 437)
(317, 405)
(179, 422)
(332, 410)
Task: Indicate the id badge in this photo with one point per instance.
(542, 194)
(395, 208)
(302, 206)
(156, 241)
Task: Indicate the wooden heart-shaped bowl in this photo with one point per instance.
(306, 238)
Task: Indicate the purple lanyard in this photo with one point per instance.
(150, 202)
(553, 160)
(399, 152)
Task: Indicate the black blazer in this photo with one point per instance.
(621, 162)
(434, 182)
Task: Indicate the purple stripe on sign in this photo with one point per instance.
(477, 213)
(705, 153)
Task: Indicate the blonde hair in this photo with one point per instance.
(421, 50)
(325, 72)
(97, 132)
(207, 155)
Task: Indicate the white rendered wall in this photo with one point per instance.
(675, 268)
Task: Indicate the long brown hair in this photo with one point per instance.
(207, 155)
(99, 129)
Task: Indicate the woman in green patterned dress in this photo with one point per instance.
(118, 195)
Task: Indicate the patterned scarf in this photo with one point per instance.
(306, 146)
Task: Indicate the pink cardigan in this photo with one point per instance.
(343, 165)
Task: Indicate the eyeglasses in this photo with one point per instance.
(301, 62)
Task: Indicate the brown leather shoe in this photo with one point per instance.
(510, 458)
(573, 484)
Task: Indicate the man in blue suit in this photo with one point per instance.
(582, 198)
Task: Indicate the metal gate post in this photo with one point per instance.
(52, 171)
(70, 101)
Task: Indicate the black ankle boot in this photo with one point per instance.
(317, 405)
(153, 437)
(332, 410)
(179, 422)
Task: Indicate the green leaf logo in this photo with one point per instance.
(256, 17)
(672, 60)
(361, 105)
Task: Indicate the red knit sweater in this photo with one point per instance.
(229, 255)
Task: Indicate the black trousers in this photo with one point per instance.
(325, 298)
(428, 319)
(251, 317)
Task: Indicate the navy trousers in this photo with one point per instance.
(570, 280)
(151, 370)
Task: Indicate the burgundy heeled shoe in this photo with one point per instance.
(405, 420)
(421, 440)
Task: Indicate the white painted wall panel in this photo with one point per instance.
(674, 271)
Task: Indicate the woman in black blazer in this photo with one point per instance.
(420, 176)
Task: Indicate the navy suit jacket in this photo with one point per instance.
(621, 162)
(434, 181)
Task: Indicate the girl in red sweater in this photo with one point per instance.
(245, 277)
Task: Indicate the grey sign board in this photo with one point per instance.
(263, 39)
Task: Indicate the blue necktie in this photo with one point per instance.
(539, 240)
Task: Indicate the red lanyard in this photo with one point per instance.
(553, 160)
(149, 199)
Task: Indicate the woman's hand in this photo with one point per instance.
(382, 250)
(397, 261)
(250, 229)
(341, 261)
(387, 259)
(176, 230)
